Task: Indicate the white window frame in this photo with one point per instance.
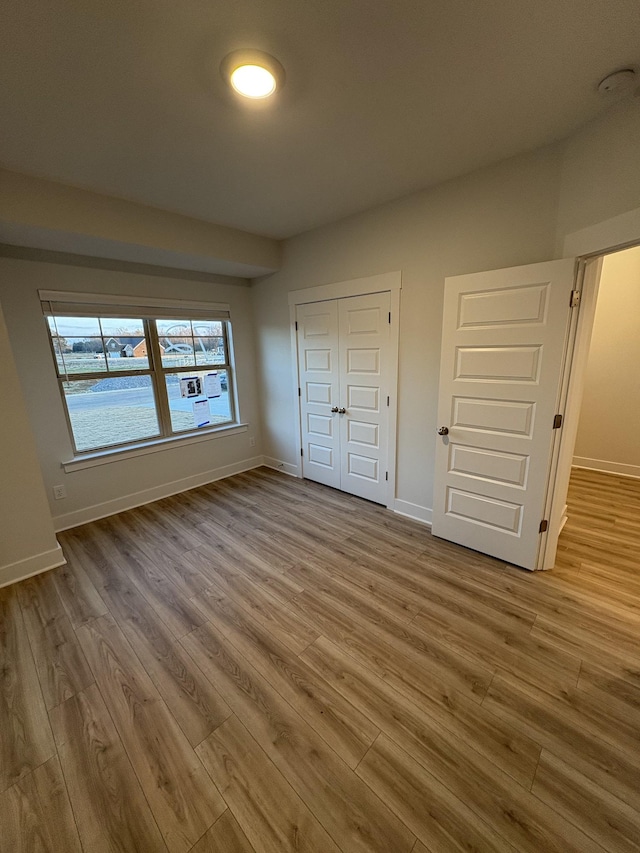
(71, 303)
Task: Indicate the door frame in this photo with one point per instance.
(589, 246)
(390, 282)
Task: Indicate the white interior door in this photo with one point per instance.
(319, 391)
(363, 323)
(344, 370)
(503, 352)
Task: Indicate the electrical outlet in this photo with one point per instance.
(59, 492)
(252, 442)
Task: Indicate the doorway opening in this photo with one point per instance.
(513, 366)
(608, 435)
(599, 469)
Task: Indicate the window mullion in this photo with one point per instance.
(76, 377)
(159, 385)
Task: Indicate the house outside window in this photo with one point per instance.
(129, 378)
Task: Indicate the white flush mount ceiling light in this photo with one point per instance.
(252, 73)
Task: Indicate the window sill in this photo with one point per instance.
(104, 457)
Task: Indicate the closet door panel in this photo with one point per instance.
(363, 323)
(318, 372)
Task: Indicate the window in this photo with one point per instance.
(130, 378)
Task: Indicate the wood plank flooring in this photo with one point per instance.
(265, 665)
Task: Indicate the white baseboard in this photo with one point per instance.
(618, 468)
(30, 566)
(414, 511)
(285, 467)
(102, 510)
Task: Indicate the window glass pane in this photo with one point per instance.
(176, 342)
(80, 348)
(224, 382)
(59, 361)
(85, 355)
(191, 342)
(113, 410)
(207, 328)
(59, 342)
(177, 352)
(127, 352)
(124, 344)
(198, 399)
(74, 346)
(174, 328)
(117, 326)
(75, 327)
(210, 350)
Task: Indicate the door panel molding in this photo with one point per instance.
(364, 355)
(319, 381)
(502, 368)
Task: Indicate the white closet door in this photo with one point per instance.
(503, 348)
(319, 391)
(364, 343)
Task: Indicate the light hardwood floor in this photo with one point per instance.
(266, 665)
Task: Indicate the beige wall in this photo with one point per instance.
(600, 177)
(609, 429)
(517, 212)
(498, 217)
(49, 215)
(90, 491)
(27, 540)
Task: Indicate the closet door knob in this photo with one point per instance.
(342, 411)
(334, 409)
(443, 431)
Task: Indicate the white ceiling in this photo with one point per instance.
(383, 97)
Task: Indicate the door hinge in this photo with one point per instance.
(301, 452)
(557, 422)
(386, 476)
(389, 317)
(387, 401)
(296, 325)
(544, 524)
(299, 393)
(575, 299)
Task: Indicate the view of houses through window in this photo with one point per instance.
(127, 380)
